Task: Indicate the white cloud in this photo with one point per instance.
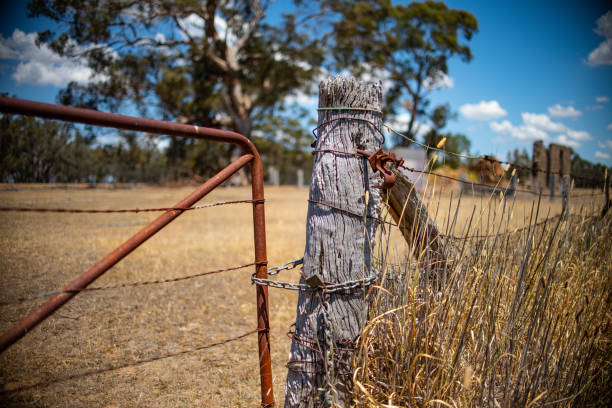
(602, 99)
(303, 99)
(40, 65)
(538, 126)
(606, 144)
(542, 121)
(558, 111)
(400, 123)
(609, 126)
(193, 25)
(482, 111)
(439, 81)
(564, 140)
(523, 132)
(579, 135)
(602, 55)
(594, 107)
(602, 155)
(374, 75)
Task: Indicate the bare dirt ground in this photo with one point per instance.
(41, 252)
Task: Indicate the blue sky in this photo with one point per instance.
(541, 69)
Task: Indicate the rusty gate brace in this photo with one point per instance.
(92, 117)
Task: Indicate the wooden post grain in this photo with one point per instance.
(338, 243)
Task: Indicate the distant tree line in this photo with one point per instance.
(35, 150)
(592, 173)
(223, 64)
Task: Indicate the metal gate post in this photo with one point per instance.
(113, 120)
(263, 320)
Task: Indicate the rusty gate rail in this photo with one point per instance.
(97, 118)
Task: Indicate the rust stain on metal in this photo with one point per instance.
(92, 117)
(378, 161)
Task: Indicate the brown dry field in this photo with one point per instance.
(41, 252)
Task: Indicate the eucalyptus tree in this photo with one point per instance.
(210, 63)
(406, 46)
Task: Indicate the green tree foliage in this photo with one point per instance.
(407, 45)
(520, 159)
(284, 144)
(587, 170)
(37, 150)
(222, 64)
(33, 150)
(455, 143)
(209, 63)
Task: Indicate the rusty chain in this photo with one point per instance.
(347, 287)
(287, 266)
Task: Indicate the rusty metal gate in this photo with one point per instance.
(250, 155)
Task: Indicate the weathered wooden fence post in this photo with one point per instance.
(553, 181)
(565, 192)
(511, 191)
(274, 176)
(300, 178)
(340, 232)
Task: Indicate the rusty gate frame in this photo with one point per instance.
(112, 120)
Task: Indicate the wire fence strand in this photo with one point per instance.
(471, 183)
(484, 157)
(125, 285)
(132, 210)
(8, 390)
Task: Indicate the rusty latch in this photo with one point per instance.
(378, 161)
(314, 281)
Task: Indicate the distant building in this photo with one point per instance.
(549, 163)
(415, 159)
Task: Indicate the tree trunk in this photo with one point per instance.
(338, 244)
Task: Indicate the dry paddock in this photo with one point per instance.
(40, 252)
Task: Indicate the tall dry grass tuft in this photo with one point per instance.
(510, 320)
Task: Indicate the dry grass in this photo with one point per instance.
(41, 252)
(521, 320)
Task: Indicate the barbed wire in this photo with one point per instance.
(492, 187)
(125, 285)
(484, 157)
(488, 158)
(471, 183)
(88, 373)
(132, 210)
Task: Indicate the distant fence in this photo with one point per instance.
(81, 283)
